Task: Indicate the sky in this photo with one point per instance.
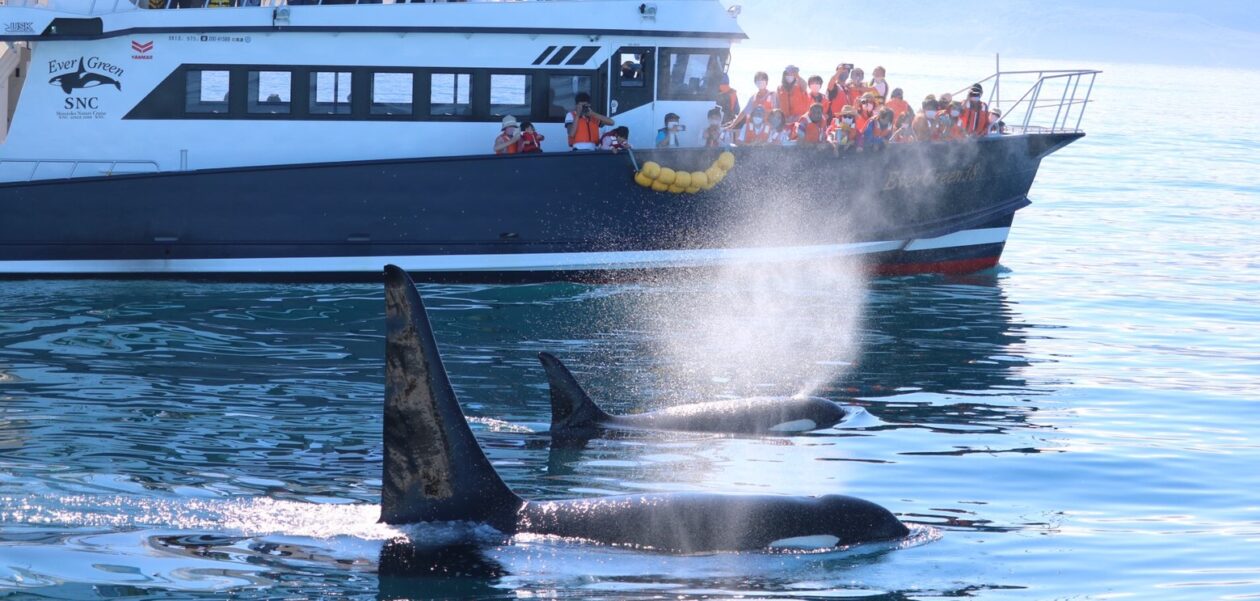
(1216, 33)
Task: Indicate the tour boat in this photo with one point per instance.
(250, 139)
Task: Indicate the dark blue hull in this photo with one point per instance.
(910, 208)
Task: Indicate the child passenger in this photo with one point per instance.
(667, 137)
(616, 140)
(714, 133)
(531, 140)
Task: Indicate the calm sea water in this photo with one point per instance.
(1080, 423)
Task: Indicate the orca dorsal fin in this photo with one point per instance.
(571, 407)
(434, 470)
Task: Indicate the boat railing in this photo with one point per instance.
(1043, 107)
(31, 169)
(102, 7)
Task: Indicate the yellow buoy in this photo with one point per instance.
(683, 179)
(660, 186)
(666, 176)
(676, 189)
(693, 190)
(699, 179)
(713, 174)
(642, 179)
(651, 170)
(726, 160)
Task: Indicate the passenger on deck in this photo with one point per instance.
(924, 124)
(878, 85)
(531, 140)
(667, 137)
(975, 113)
(757, 130)
(728, 100)
(616, 140)
(792, 98)
(898, 105)
(782, 133)
(509, 138)
(943, 102)
(583, 124)
(763, 97)
(812, 128)
(904, 132)
(837, 88)
(714, 135)
(816, 95)
(843, 134)
(865, 110)
(856, 88)
(879, 130)
(997, 126)
(949, 128)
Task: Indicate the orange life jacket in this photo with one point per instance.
(531, 142)
(793, 102)
(753, 135)
(585, 129)
(812, 133)
(898, 106)
(510, 148)
(975, 117)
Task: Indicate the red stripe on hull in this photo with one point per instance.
(959, 267)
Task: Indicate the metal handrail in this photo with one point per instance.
(131, 5)
(75, 163)
(1032, 98)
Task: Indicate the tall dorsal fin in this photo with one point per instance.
(434, 470)
(571, 407)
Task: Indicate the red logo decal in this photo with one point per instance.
(142, 50)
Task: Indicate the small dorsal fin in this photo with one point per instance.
(571, 407)
(434, 470)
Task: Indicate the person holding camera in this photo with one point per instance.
(667, 137)
(583, 124)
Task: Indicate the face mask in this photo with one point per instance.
(511, 131)
(814, 88)
(761, 85)
(758, 120)
(715, 121)
(790, 79)
(671, 125)
(930, 115)
(776, 123)
(848, 120)
(953, 113)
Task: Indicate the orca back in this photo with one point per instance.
(434, 470)
(571, 408)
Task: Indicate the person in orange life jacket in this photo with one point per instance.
(728, 100)
(842, 133)
(781, 133)
(856, 88)
(837, 87)
(898, 105)
(865, 110)
(713, 134)
(616, 140)
(924, 124)
(791, 95)
(667, 137)
(975, 113)
(583, 124)
(878, 130)
(811, 129)
(950, 124)
(509, 139)
(757, 131)
(531, 140)
(904, 133)
(763, 97)
(878, 85)
(816, 95)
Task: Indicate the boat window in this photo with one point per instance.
(509, 95)
(270, 92)
(330, 93)
(207, 92)
(391, 93)
(691, 74)
(561, 96)
(632, 64)
(448, 94)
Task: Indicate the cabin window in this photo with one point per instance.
(691, 74)
(510, 95)
(330, 93)
(448, 94)
(270, 92)
(391, 93)
(206, 92)
(563, 92)
(632, 65)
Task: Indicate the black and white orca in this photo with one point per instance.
(435, 471)
(573, 413)
(82, 79)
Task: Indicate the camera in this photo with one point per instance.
(586, 109)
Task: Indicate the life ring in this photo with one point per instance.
(664, 179)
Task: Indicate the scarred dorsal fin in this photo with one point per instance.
(571, 407)
(434, 470)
